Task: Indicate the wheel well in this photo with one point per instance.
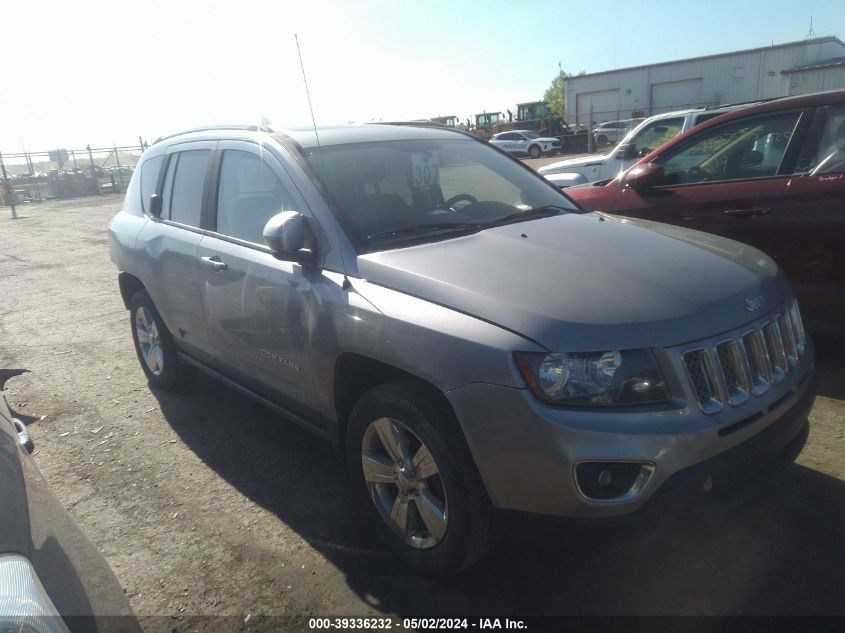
(129, 285)
(355, 375)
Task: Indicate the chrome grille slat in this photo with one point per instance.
(788, 338)
(774, 344)
(731, 370)
(798, 328)
(758, 362)
(703, 380)
(734, 371)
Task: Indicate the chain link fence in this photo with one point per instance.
(61, 173)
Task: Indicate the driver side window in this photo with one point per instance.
(743, 149)
(249, 194)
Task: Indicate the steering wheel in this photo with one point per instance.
(695, 174)
(461, 197)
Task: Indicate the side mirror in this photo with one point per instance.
(290, 237)
(626, 152)
(155, 205)
(642, 177)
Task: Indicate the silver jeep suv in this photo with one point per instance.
(474, 343)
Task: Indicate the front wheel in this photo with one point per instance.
(414, 474)
(534, 151)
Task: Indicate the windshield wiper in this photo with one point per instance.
(432, 226)
(531, 214)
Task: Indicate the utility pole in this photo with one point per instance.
(562, 90)
(10, 192)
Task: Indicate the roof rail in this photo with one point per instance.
(210, 128)
(739, 103)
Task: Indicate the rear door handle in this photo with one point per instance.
(749, 213)
(215, 262)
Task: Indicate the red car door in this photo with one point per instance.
(813, 215)
(727, 179)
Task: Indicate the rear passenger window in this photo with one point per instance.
(149, 179)
(188, 186)
(249, 195)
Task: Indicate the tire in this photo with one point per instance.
(156, 351)
(447, 523)
(602, 139)
(534, 151)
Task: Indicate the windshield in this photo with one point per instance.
(387, 194)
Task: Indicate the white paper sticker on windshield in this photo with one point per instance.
(426, 166)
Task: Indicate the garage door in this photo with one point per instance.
(605, 106)
(817, 80)
(675, 95)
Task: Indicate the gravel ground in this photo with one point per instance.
(205, 503)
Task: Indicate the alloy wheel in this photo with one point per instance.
(404, 482)
(149, 341)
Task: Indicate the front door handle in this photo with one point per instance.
(749, 213)
(215, 262)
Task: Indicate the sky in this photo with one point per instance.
(103, 72)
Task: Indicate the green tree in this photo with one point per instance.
(555, 94)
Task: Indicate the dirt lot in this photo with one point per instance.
(205, 503)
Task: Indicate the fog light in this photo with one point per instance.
(612, 481)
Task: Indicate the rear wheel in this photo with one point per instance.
(154, 345)
(413, 473)
(534, 151)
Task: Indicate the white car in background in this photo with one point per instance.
(525, 143)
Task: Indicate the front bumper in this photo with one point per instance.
(526, 452)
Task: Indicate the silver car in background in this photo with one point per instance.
(612, 131)
(476, 345)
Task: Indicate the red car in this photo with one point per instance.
(772, 175)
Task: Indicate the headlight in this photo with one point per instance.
(24, 605)
(594, 378)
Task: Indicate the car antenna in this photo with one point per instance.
(307, 92)
(346, 283)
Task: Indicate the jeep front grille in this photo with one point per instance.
(731, 370)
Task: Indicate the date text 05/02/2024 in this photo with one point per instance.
(417, 624)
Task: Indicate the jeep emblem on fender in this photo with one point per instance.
(752, 304)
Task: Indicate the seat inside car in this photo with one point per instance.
(833, 157)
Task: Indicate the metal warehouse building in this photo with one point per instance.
(758, 73)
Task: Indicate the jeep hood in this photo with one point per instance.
(586, 282)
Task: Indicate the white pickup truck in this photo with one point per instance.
(647, 136)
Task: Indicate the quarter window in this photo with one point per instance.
(748, 148)
(250, 193)
(149, 179)
(188, 186)
(824, 150)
